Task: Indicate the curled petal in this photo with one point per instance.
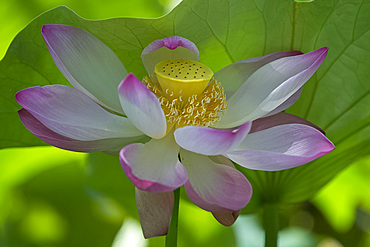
(174, 47)
(234, 75)
(142, 107)
(208, 141)
(155, 211)
(214, 185)
(270, 86)
(281, 147)
(110, 145)
(226, 218)
(279, 119)
(69, 112)
(87, 63)
(154, 166)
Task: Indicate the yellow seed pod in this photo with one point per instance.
(182, 77)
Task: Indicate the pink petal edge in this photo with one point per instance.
(280, 119)
(171, 43)
(209, 141)
(281, 147)
(143, 184)
(142, 107)
(112, 145)
(215, 186)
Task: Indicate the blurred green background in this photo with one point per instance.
(47, 197)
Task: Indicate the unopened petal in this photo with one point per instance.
(174, 47)
(155, 211)
(154, 166)
(208, 141)
(87, 63)
(214, 185)
(281, 147)
(69, 112)
(142, 107)
(270, 86)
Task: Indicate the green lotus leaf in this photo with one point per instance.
(336, 98)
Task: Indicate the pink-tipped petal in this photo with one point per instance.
(281, 147)
(208, 141)
(215, 185)
(69, 112)
(154, 166)
(155, 211)
(87, 63)
(226, 218)
(270, 86)
(142, 107)
(110, 145)
(234, 75)
(279, 119)
(174, 47)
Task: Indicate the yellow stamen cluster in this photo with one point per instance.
(196, 110)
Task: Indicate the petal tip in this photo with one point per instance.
(146, 184)
(49, 28)
(17, 96)
(129, 80)
(226, 218)
(323, 51)
(45, 28)
(171, 43)
(331, 145)
(20, 95)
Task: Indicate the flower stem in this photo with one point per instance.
(171, 238)
(271, 224)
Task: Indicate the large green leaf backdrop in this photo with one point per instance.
(336, 98)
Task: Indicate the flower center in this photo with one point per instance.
(187, 92)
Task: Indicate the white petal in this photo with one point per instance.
(142, 107)
(87, 63)
(214, 185)
(154, 166)
(281, 147)
(286, 104)
(270, 86)
(234, 75)
(69, 112)
(208, 141)
(110, 145)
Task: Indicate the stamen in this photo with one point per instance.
(202, 110)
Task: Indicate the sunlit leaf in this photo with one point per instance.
(43, 201)
(340, 200)
(17, 14)
(105, 178)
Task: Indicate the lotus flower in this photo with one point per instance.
(180, 125)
